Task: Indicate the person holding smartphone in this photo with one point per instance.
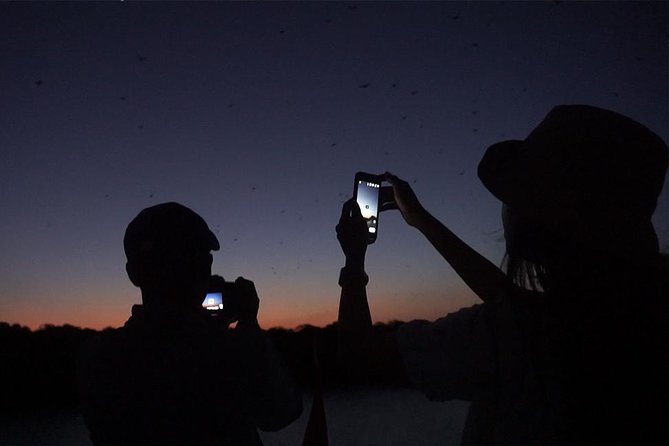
(175, 373)
(569, 343)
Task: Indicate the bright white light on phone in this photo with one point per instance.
(212, 301)
(372, 229)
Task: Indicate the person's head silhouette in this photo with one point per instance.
(168, 251)
(582, 187)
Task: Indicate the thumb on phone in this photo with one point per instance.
(387, 199)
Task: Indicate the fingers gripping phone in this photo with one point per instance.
(366, 191)
(222, 298)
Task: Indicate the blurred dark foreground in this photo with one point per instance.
(38, 370)
(363, 416)
(39, 403)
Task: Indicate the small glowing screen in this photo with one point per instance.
(213, 301)
(368, 200)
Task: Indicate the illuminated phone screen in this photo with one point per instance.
(368, 200)
(213, 301)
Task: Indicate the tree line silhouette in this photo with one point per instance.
(38, 370)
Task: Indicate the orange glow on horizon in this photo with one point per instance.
(384, 309)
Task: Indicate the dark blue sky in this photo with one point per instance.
(257, 116)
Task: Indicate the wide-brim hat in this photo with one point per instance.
(166, 229)
(584, 171)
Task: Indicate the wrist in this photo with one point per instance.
(353, 275)
(355, 265)
(355, 261)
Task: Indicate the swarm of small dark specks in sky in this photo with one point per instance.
(214, 69)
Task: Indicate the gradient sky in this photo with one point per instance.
(257, 116)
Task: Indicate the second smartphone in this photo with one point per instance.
(366, 191)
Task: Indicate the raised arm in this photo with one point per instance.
(363, 352)
(355, 320)
(482, 276)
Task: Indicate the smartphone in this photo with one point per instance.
(366, 192)
(213, 301)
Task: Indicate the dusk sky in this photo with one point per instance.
(258, 115)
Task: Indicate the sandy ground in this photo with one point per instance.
(355, 417)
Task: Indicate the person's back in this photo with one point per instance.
(169, 380)
(619, 390)
(583, 366)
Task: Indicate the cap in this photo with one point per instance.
(167, 227)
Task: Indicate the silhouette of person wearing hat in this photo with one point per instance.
(570, 343)
(173, 374)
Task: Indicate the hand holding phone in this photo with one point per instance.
(232, 301)
(405, 200)
(221, 299)
(352, 232)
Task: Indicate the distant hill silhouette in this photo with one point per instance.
(38, 368)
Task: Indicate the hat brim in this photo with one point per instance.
(499, 171)
(214, 245)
